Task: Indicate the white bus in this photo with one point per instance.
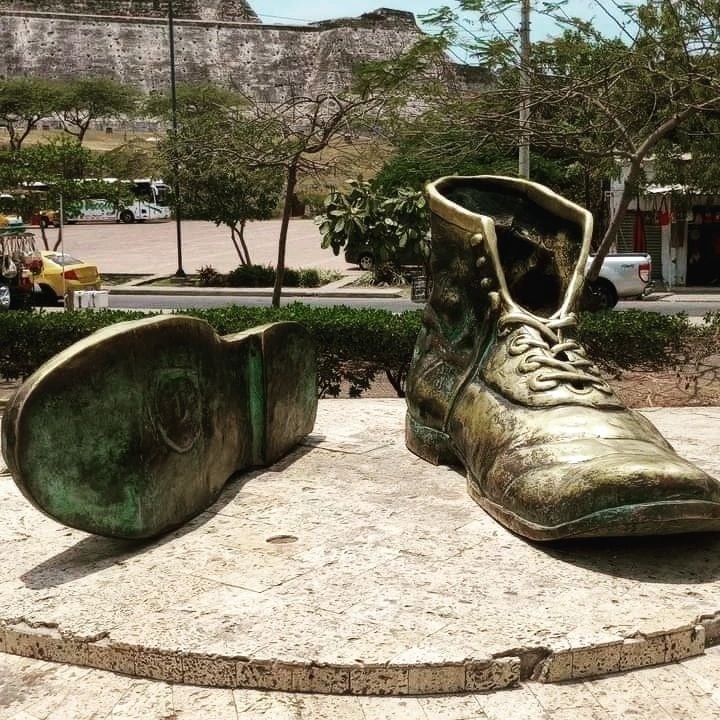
(150, 203)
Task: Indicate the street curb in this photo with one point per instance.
(255, 292)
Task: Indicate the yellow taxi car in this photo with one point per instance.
(55, 274)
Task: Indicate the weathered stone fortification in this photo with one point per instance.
(224, 10)
(267, 61)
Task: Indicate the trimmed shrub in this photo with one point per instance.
(251, 276)
(355, 345)
(633, 338)
(264, 276)
(28, 339)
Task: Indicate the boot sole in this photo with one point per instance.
(137, 428)
(659, 518)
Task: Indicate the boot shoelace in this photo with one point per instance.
(552, 359)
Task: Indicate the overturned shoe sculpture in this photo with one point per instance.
(499, 385)
(135, 429)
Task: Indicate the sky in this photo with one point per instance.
(301, 11)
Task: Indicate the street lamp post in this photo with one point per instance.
(524, 144)
(180, 273)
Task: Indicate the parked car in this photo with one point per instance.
(361, 254)
(59, 274)
(623, 275)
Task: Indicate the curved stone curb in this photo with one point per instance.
(196, 668)
(470, 675)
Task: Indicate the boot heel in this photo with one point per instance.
(282, 387)
(429, 444)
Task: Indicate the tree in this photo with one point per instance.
(87, 99)
(131, 160)
(294, 132)
(285, 138)
(602, 102)
(418, 161)
(215, 186)
(193, 100)
(61, 166)
(23, 103)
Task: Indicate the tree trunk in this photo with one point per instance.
(243, 243)
(287, 212)
(43, 235)
(630, 186)
(241, 247)
(59, 240)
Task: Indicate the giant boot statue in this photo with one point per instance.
(499, 384)
(135, 429)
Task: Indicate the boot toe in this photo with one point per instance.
(637, 489)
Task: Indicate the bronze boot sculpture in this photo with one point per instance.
(137, 428)
(499, 385)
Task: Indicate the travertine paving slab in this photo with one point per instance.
(354, 567)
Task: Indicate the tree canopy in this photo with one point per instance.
(84, 100)
(596, 101)
(23, 103)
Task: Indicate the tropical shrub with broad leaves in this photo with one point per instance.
(395, 226)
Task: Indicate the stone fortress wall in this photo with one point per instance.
(224, 10)
(218, 41)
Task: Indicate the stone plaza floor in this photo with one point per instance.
(353, 580)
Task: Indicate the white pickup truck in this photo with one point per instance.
(624, 275)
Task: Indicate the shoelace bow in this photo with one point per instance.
(552, 359)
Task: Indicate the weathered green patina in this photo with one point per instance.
(137, 428)
(499, 384)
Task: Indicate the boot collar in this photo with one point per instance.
(482, 227)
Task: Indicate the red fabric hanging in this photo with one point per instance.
(639, 239)
(664, 216)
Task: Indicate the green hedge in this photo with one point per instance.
(356, 345)
(635, 338)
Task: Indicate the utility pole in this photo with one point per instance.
(179, 273)
(524, 138)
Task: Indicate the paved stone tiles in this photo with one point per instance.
(354, 567)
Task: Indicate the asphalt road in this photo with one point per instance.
(692, 308)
